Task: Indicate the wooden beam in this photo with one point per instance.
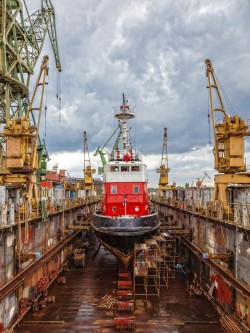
(78, 227)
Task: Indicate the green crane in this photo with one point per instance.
(21, 42)
(43, 157)
(101, 152)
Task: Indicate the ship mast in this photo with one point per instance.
(123, 114)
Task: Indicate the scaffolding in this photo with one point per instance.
(154, 264)
(171, 241)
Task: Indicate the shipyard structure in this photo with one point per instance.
(86, 255)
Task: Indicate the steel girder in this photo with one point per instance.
(21, 42)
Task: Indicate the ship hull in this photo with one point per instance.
(118, 235)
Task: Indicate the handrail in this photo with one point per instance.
(237, 214)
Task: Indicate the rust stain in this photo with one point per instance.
(74, 309)
(220, 236)
(223, 293)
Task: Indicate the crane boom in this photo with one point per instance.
(115, 147)
(49, 18)
(163, 170)
(20, 164)
(201, 178)
(229, 133)
(87, 170)
(37, 25)
(100, 150)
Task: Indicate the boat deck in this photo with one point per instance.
(75, 309)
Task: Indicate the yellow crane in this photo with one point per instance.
(163, 170)
(199, 182)
(88, 183)
(229, 132)
(20, 163)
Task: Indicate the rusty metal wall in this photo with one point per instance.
(242, 257)
(39, 237)
(2, 262)
(9, 255)
(68, 218)
(220, 238)
(222, 292)
(53, 225)
(8, 311)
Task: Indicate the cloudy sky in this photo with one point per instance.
(154, 52)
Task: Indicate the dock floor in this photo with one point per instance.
(74, 310)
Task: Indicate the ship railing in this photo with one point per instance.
(66, 203)
(131, 155)
(237, 214)
(9, 213)
(127, 109)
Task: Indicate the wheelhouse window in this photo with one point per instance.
(113, 189)
(135, 168)
(114, 168)
(124, 168)
(136, 189)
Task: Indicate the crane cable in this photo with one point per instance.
(208, 114)
(45, 111)
(208, 119)
(45, 104)
(230, 106)
(58, 95)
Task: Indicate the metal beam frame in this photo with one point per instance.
(21, 42)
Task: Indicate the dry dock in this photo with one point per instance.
(74, 309)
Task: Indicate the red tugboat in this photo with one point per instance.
(125, 216)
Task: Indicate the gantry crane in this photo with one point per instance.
(88, 184)
(229, 132)
(21, 42)
(163, 170)
(20, 163)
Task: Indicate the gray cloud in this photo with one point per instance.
(153, 51)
